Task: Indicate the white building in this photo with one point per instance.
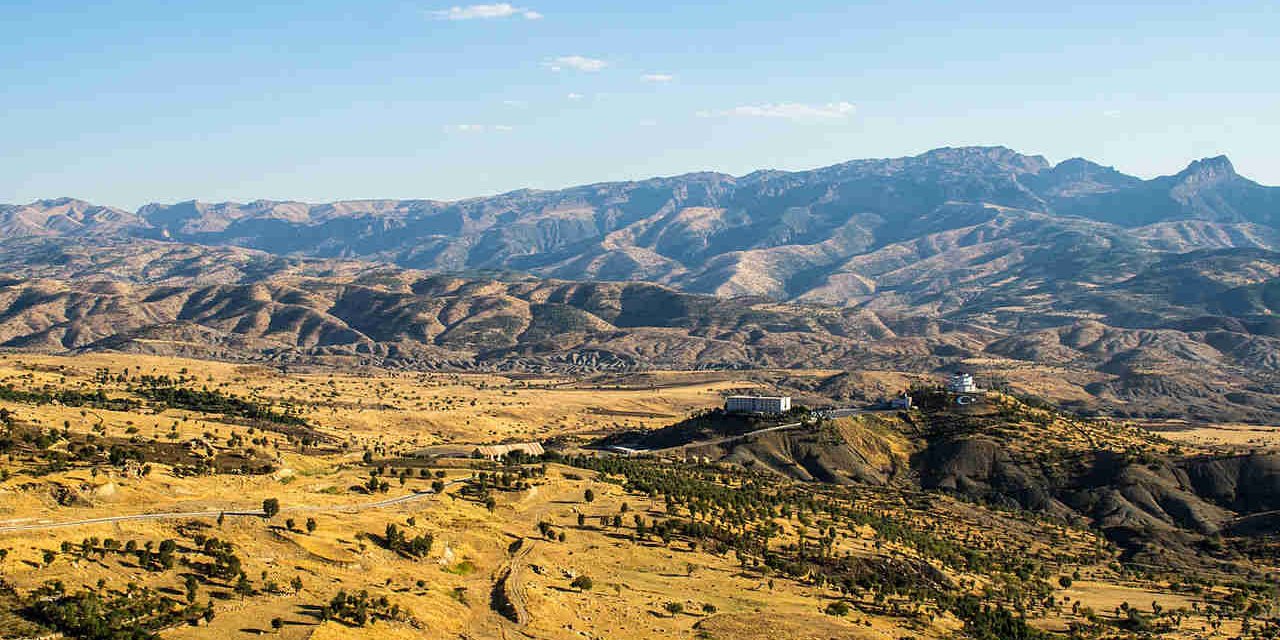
(961, 383)
(757, 404)
(496, 451)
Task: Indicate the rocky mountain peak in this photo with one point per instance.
(64, 201)
(976, 156)
(1080, 167)
(1078, 176)
(1208, 170)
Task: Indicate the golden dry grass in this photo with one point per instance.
(400, 412)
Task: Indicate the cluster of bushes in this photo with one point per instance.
(402, 476)
(68, 397)
(148, 555)
(549, 532)
(223, 563)
(36, 438)
(360, 609)
(517, 480)
(207, 401)
(984, 622)
(136, 614)
(396, 540)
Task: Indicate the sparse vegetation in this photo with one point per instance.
(909, 561)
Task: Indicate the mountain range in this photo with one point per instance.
(839, 234)
(1162, 292)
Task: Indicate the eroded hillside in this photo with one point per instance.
(1191, 335)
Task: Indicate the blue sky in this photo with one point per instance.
(128, 102)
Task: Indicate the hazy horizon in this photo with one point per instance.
(150, 102)
(133, 207)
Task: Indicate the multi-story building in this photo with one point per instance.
(961, 383)
(757, 404)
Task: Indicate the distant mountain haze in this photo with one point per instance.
(831, 235)
(1149, 297)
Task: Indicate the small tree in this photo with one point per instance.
(270, 507)
(589, 496)
(311, 525)
(276, 624)
(243, 586)
(674, 608)
(838, 609)
(582, 583)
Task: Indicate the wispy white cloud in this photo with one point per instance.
(794, 111)
(1112, 113)
(575, 96)
(486, 12)
(657, 77)
(478, 128)
(577, 63)
(516, 104)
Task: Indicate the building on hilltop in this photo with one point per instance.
(961, 382)
(757, 404)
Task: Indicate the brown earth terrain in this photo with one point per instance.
(873, 526)
(256, 308)
(230, 420)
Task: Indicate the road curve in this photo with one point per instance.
(827, 414)
(707, 443)
(213, 513)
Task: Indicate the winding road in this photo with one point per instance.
(213, 513)
(826, 414)
(741, 436)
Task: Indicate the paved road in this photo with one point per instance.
(379, 504)
(842, 413)
(707, 443)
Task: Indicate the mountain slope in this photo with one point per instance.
(1138, 345)
(1158, 297)
(787, 235)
